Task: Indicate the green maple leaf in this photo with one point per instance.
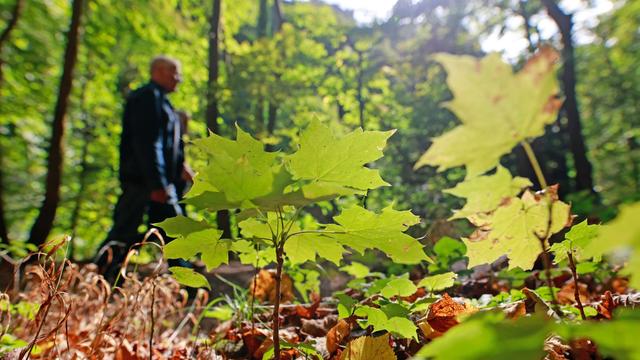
(438, 282)
(621, 232)
(485, 193)
(249, 254)
(182, 226)
(239, 169)
(241, 174)
(361, 229)
(488, 335)
(306, 247)
(188, 277)
(577, 239)
(338, 162)
(357, 270)
(498, 109)
(399, 287)
(193, 238)
(515, 230)
(379, 320)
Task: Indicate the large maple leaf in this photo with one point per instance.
(498, 109)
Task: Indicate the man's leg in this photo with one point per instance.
(159, 212)
(127, 216)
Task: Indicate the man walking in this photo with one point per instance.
(151, 163)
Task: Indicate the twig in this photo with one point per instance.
(534, 163)
(153, 319)
(543, 239)
(576, 292)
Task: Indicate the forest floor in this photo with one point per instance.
(68, 311)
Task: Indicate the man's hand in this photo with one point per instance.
(187, 173)
(159, 196)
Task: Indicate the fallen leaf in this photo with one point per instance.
(606, 307)
(515, 310)
(566, 295)
(369, 348)
(443, 314)
(265, 287)
(337, 334)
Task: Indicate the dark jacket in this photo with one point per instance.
(151, 153)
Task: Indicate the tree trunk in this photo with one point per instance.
(44, 222)
(272, 108)
(214, 69)
(222, 216)
(263, 20)
(87, 135)
(584, 179)
(4, 37)
(360, 89)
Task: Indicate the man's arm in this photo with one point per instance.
(147, 140)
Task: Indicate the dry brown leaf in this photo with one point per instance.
(566, 295)
(515, 310)
(265, 289)
(369, 348)
(443, 314)
(337, 334)
(606, 307)
(428, 331)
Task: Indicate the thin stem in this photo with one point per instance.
(543, 239)
(547, 270)
(253, 291)
(276, 305)
(576, 292)
(153, 319)
(315, 232)
(534, 163)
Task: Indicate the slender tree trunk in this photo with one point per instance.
(263, 19)
(222, 216)
(214, 69)
(584, 179)
(44, 222)
(87, 136)
(4, 37)
(360, 89)
(272, 108)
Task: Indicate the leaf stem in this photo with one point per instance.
(276, 305)
(534, 163)
(546, 260)
(315, 232)
(576, 292)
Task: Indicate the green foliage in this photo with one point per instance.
(482, 200)
(398, 287)
(498, 109)
(438, 282)
(390, 320)
(189, 277)
(517, 230)
(9, 342)
(488, 336)
(622, 232)
(328, 162)
(624, 345)
(447, 251)
(577, 239)
(240, 174)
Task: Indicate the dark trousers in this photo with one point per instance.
(128, 215)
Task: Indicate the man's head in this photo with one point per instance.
(165, 71)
